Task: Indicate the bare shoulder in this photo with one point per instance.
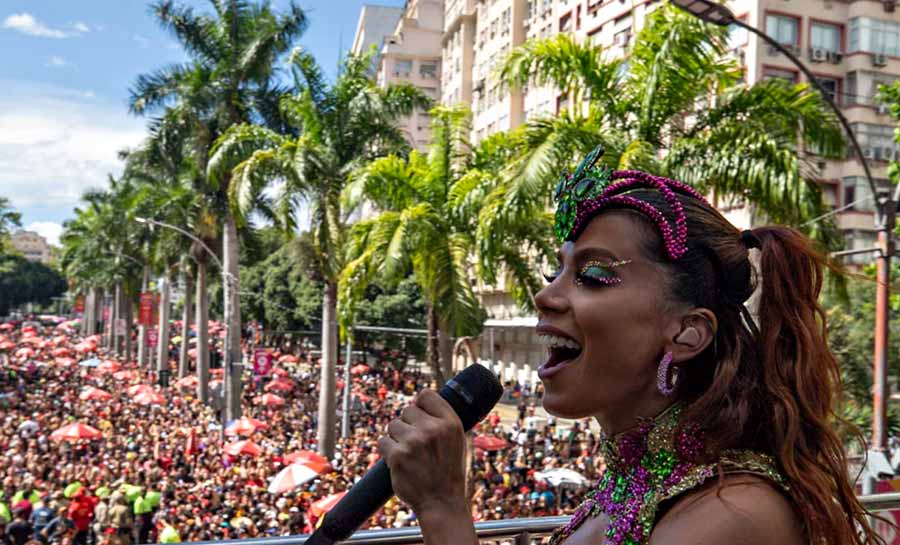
(746, 510)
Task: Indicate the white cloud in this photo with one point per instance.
(47, 229)
(142, 41)
(55, 143)
(26, 23)
(56, 62)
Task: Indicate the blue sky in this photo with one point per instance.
(65, 70)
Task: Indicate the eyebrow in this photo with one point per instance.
(589, 251)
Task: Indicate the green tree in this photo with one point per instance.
(23, 281)
(403, 307)
(228, 81)
(424, 224)
(676, 107)
(333, 130)
(9, 219)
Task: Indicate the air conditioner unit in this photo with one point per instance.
(835, 57)
(877, 154)
(868, 153)
(889, 5)
(817, 54)
(888, 154)
(879, 59)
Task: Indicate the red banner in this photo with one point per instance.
(145, 313)
(79, 304)
(262, 362)
(152, 336)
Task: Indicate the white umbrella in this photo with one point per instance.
(560, 476)
(293, 476)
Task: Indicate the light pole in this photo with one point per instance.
(885, 214)
(233, 386)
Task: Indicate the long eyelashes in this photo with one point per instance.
(594, 273)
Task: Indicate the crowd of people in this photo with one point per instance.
(158, 471)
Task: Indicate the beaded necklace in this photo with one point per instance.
(648, 464)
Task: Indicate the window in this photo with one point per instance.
(787, 75)
(874, 36)
(855, 190)
(402, 67)
(565, 23)
(737, 36)
(786, 30)
(832, 88)
(428, 70)
(870, 135)
(825, 36)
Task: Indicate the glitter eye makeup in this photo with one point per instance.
(599, 273)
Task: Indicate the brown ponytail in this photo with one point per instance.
(772, 387)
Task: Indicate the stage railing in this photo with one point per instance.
(519, 531)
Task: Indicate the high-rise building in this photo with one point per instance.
(374, 24)
(852, 47)
(412, 54)
(32, 245)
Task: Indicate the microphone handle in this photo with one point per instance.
(372, 492)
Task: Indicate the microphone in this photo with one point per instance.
(472, 394)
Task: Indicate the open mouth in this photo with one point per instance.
(561, 354)
(561, 350)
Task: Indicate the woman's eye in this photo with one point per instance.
(597, 275)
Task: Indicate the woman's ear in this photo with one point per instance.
(695, 331)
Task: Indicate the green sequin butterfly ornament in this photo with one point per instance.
(588, 181)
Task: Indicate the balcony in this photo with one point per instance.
(522, 531)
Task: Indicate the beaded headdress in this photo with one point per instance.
(593, 188)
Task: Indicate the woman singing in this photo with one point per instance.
(717, 423)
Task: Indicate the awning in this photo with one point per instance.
(521, 321)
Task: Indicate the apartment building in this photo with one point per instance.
(412, 53)
(374, 24)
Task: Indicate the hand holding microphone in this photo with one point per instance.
(425, 451)
(423, 461)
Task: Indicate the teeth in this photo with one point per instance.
(553, 341)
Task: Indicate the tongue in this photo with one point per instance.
(559, 355)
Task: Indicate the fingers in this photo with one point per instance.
(436, 406)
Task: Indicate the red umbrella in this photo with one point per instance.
(307, 457)
(24, 353)
(109, 366)
(218, 372)
(247, 447)
(7, 345)
(34, 341)
(75, 432)
(149, 398)
(7, 327)
(290, 358)
(281, 384)
(124, 375)
(322, 506)
(61, 352)
(269, 400)
(279, 372)
(359, 369)
(65, 361)
(294, 475)
(245, 426)
(139, 388)
(92, 393)
(189, 381)
(489, 442)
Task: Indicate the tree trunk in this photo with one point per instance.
(233, 357)
(202, 333)
(142, 328)
(106, 315)
(445, 345)
(432, 349)
(97, 323)
(129, 316)
(183, 359)
(116, 315)
(162, 355)
(327, 416)
(87, 318)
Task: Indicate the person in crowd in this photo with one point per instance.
(19, 531)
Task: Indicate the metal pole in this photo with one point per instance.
(345, 417)
(882, 321)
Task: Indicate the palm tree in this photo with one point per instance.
(425, 223)
(333, 130)
(229, 81)
(676, 107)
